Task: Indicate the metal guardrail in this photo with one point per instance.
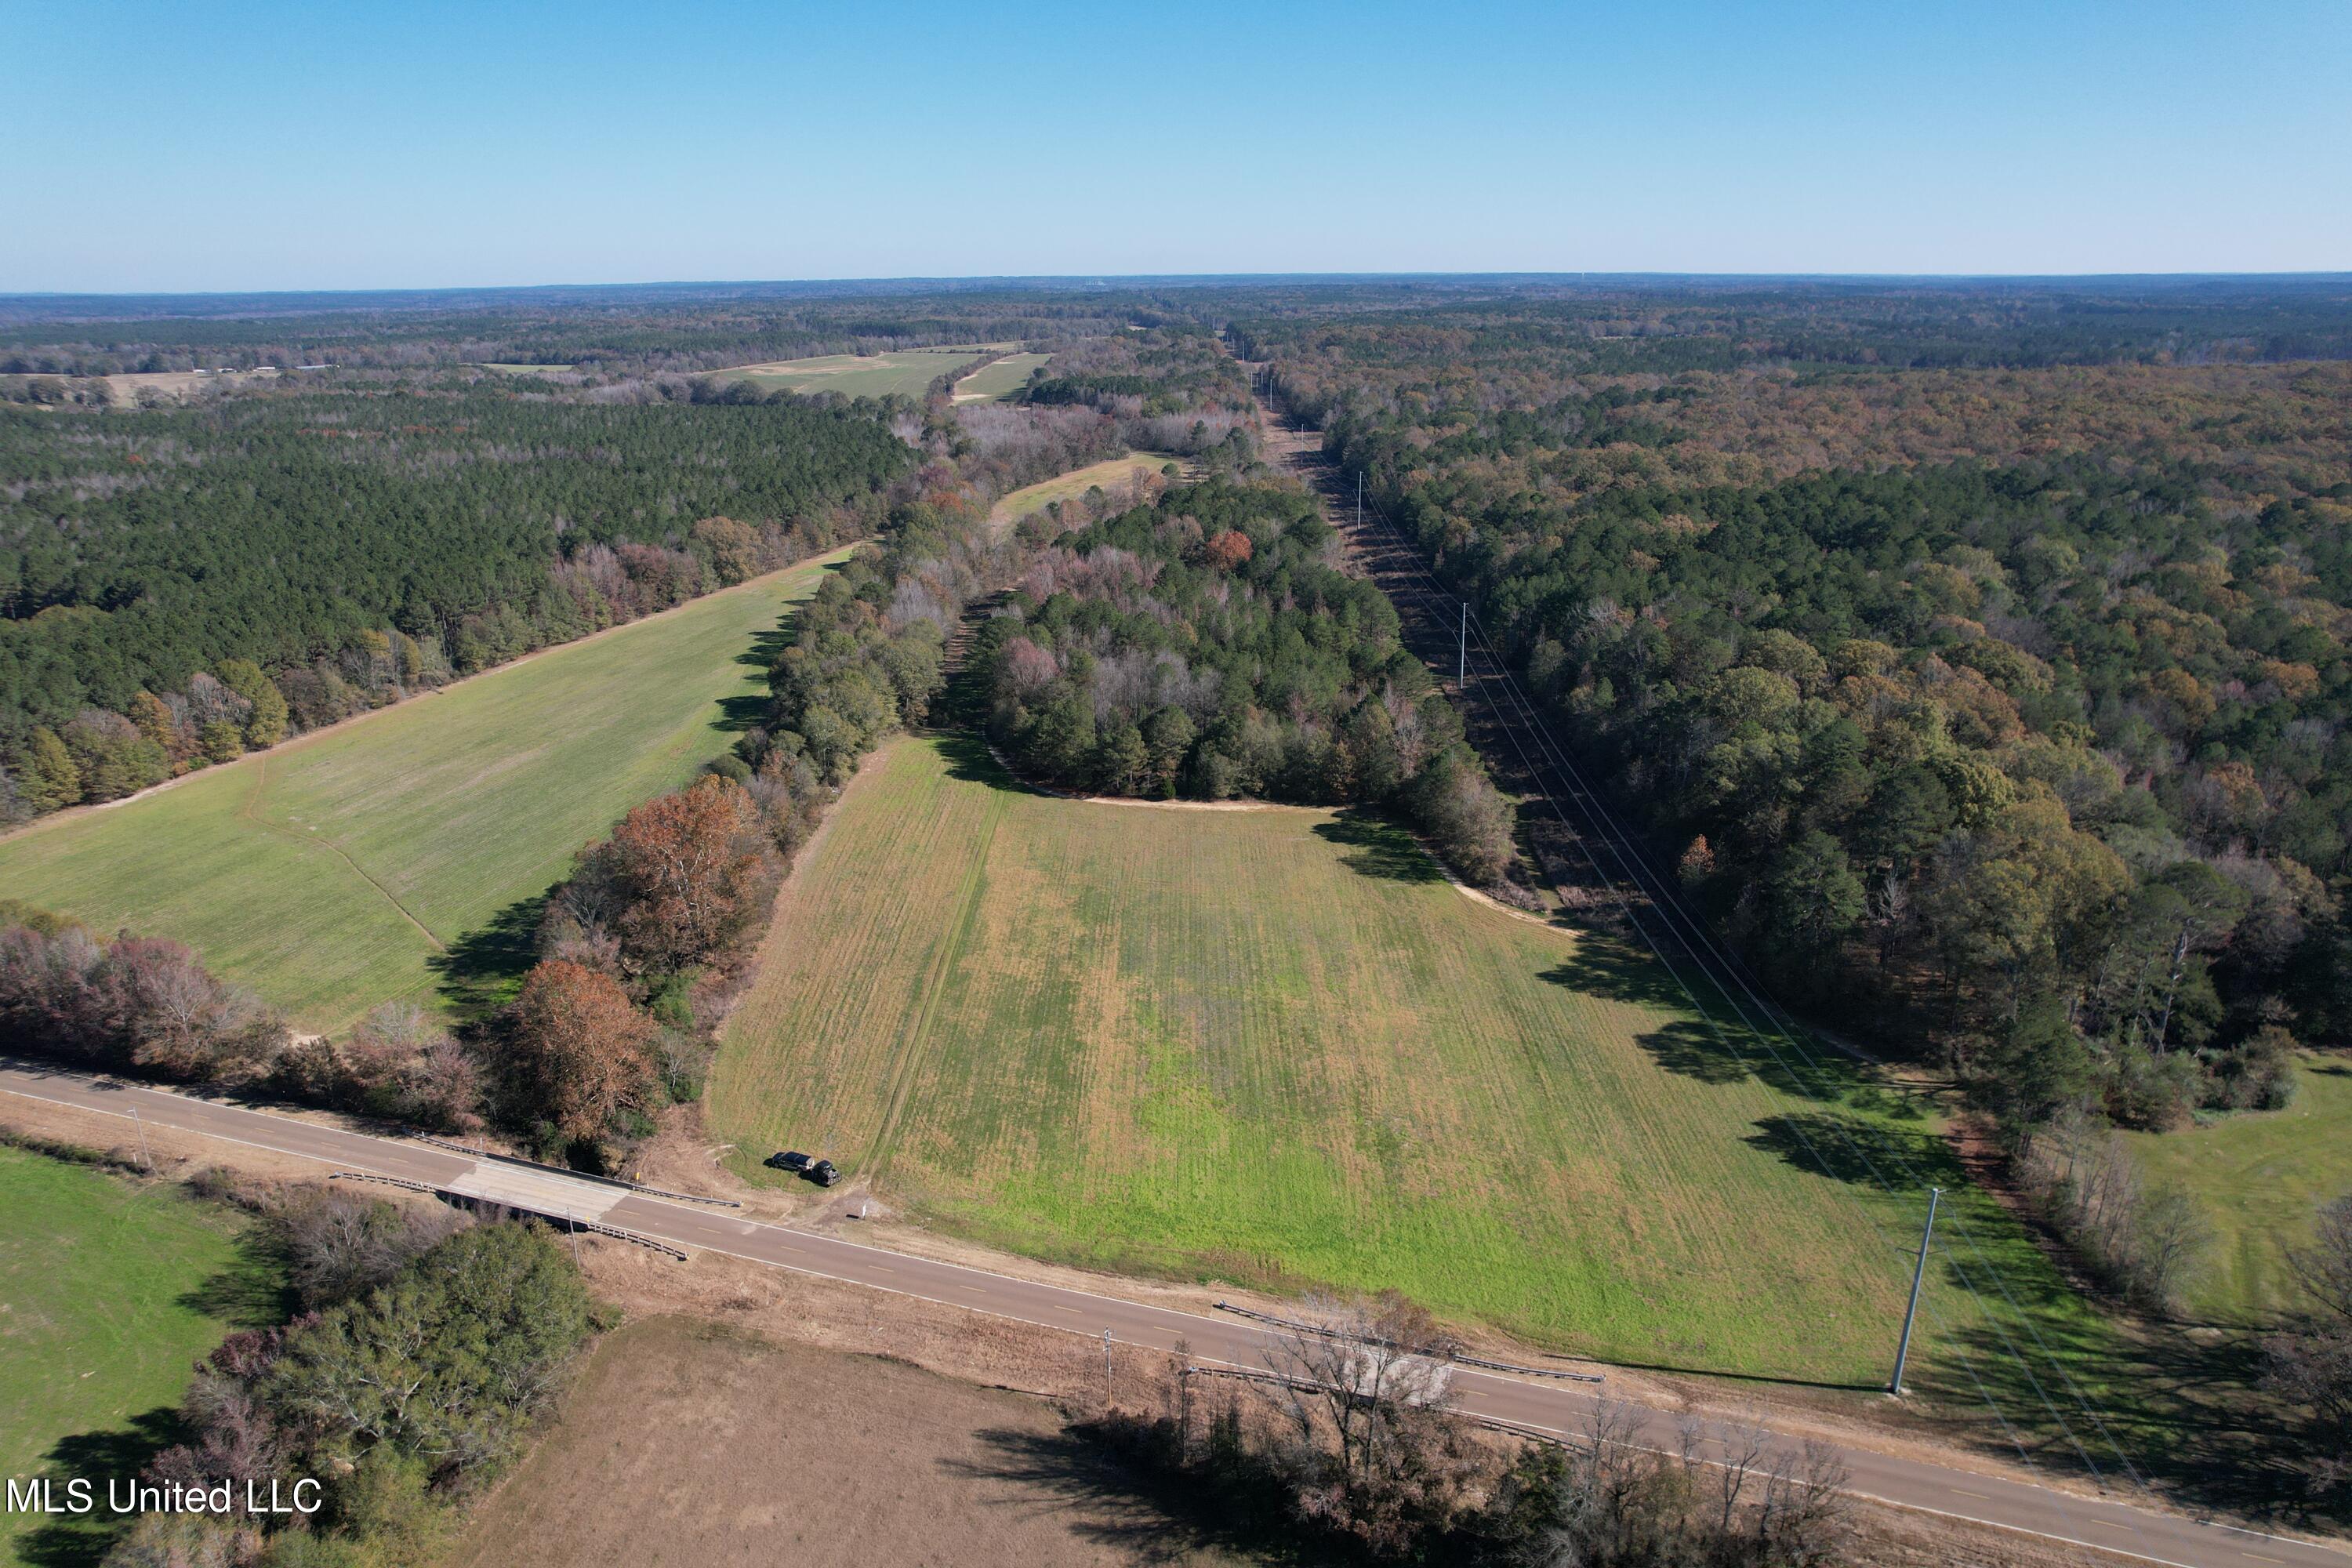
(455, 1147)
(1284, 1380)
(1244, 1374)
(1447, 1353)
(592, 1227)
(387, 1180)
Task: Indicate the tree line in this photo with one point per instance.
(180, 585)
(1999, 712)
(1350, 1447)
(1205, 646)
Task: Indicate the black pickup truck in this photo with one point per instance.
(821, 1172)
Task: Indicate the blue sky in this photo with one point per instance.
(218, 146)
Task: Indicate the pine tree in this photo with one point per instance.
(51, 781)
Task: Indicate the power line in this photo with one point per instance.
(1682, 928)
(1782, 1024)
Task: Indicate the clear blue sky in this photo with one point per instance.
(357, 144)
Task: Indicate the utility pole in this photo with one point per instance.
(1105, 1369)
(575, 1237)
(1903, 1351)
(1359, 503)
(146, 1159)
(1462, 660)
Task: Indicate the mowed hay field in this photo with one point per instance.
(1274, 1046)
(993, 383)
(1108, 475)
(2258, 1178)
(339, 870)
(906, 371)
(683, 1444)
(109, 1292)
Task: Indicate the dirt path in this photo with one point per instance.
(251, 812)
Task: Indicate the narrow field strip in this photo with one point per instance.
(439, 818)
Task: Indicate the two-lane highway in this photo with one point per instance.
(2100, 1523)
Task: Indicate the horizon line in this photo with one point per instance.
(1109, 280)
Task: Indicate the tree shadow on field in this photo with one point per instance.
(1148, 1516)
(252, 1292)
(1691, 1049)
(1708, 1042)
(1608, 967)
(1864, 1152)
(749, 710)
(969, 762)
(768, 647)
(481, 971)
(2187, 1415)
(738, 714)
(118, 1455)
(1711, 1042)
(1379, 848)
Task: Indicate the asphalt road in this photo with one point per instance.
(1550, 1407)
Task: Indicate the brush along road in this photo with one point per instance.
(1549, 1408)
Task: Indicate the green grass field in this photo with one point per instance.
(1109, 474)
(1274, 1046)
(907, 371)
(369, 861)
(995, 382)
(109, 1292)
(2258, 1178)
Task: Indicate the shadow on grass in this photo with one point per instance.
(2187, 1416)
(1865, 1152)
(1379, 848)
(118, 1455)
(768, 647)
(252, 1292)
(1711, 1043)
(750, 710)
(969, 762)
(2078, 1389)
(482, 970)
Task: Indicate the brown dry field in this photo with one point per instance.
(684, 1443)
(176, 383)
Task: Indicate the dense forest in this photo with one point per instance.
(2003, 706)
(1205, 645)
(1629, 326)
(673, 329)
(354, 545)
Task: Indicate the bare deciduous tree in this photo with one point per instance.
(2311, 1364)
(1366, 1385)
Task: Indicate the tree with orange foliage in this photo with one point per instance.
(579, 1051)
(1229, 551)
(684, 861)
